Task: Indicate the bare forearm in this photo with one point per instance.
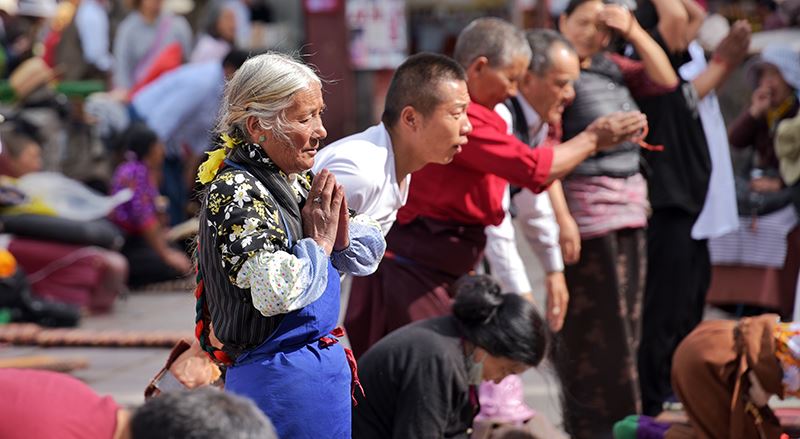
(711, 78)
(558, 201)
(673, 21)
(655, 61)
(571, 153)
(697, 15)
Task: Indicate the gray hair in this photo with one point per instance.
(542, 42)
(264, 87)
(498, 40)
(204, 413)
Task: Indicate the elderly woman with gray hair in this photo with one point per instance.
(273, 240)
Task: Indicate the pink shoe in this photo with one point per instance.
(504, 402)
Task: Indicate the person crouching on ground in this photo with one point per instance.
(422, 380)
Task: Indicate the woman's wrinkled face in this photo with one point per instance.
(226, 25)
(584, 29)
(305, 133)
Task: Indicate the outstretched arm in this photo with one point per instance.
(729, 54)
(656, 63)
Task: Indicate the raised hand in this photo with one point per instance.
(619, 19)
(343, 233)
(759, 102)
(732, 50)
(320, 214)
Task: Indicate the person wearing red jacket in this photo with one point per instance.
(439, 233)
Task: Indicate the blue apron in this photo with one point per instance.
(303, 387)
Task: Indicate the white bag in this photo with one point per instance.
(70, 198)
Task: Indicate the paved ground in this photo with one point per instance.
(124, 372)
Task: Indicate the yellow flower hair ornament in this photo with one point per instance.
(208, 170)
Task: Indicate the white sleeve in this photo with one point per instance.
(503, 257)
(282, 282)
(537, 220)
(92, 24)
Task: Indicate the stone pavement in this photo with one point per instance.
(124, 372)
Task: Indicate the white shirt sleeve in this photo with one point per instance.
(503, 257)
(537, 221)
(92, 24)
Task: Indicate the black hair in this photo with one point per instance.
(17, 133)
(542, 42)
(573, 4)
(204, 413)
(416, 83)
(504, 325)
(140, 139)
(235, 58)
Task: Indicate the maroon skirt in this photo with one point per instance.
(423, 259)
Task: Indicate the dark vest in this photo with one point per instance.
(520, 124)
(600, 91)
(237, 323)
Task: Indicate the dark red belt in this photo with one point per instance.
(355, 383)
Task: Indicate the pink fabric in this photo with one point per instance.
(89, 277)
(41, 404)
(601, 204)
(504, 402)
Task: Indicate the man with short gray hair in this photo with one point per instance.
(439, 234)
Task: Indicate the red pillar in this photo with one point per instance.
(327, 49)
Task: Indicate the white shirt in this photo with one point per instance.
(91, 20)
(719, 215)
(536, 219)
(364, 164)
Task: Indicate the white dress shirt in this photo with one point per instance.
(364, 164)
(536, 219)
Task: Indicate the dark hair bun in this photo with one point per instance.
(477, 299)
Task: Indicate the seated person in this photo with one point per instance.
(757, 264)
(422, 379)
(22, 153)
(62, 256)
(150, 256)
(43, 404)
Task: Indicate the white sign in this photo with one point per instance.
(377, 33)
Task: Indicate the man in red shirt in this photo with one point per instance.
(439, 234)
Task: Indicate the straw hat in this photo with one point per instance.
(787, 147)
(30, 76)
